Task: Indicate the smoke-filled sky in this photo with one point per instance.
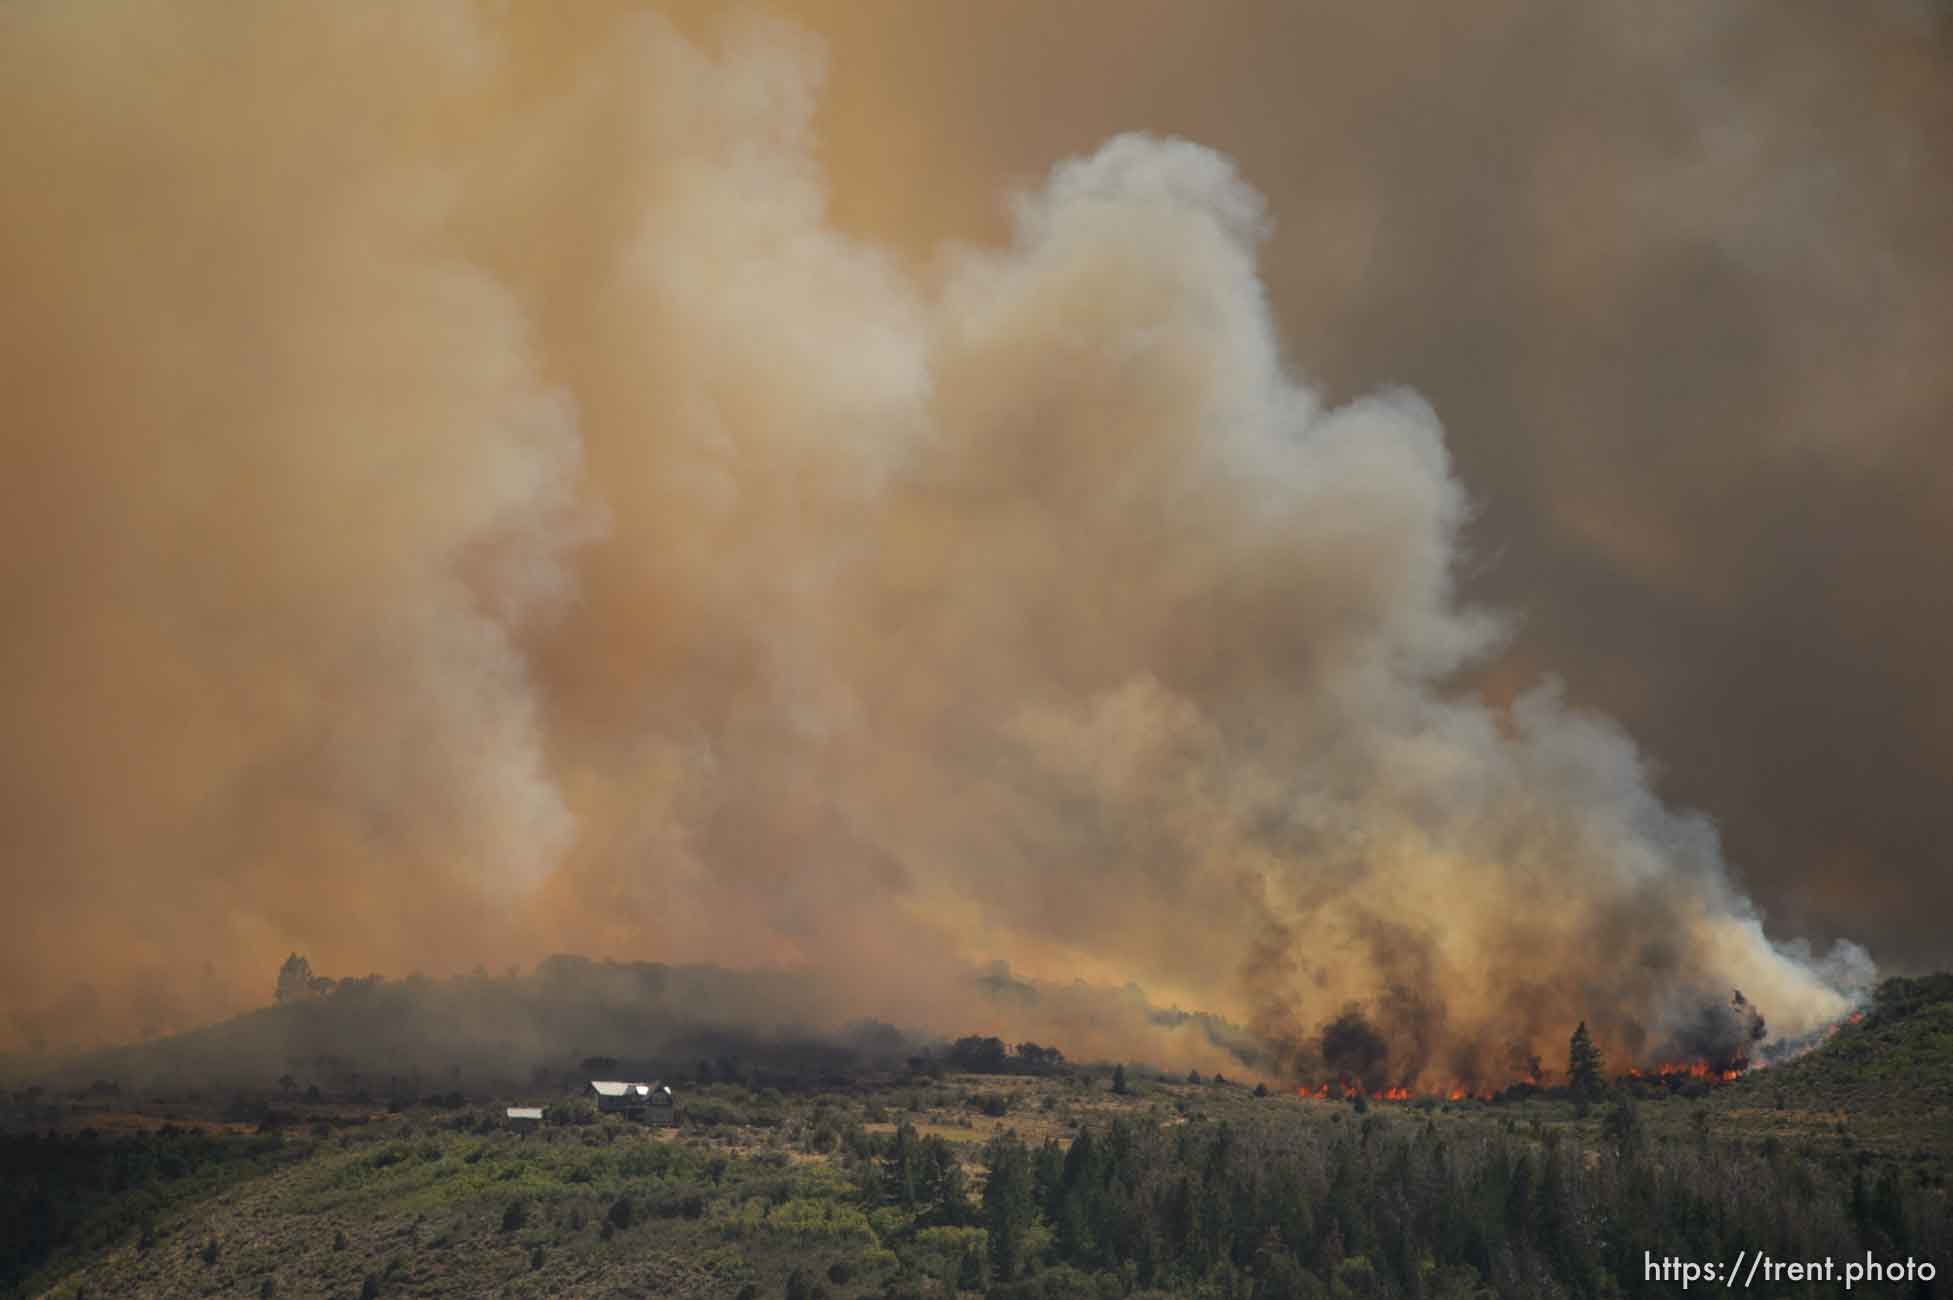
(1284, 504)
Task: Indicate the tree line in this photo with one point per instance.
(1384, 1208)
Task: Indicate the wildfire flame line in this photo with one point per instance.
(1667, 1071)
(1712, 1072)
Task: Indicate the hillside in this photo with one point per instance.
(1895, 1055)
(1068, 1181)
(1055, 1186)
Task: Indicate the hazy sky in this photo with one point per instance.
(1283, 503)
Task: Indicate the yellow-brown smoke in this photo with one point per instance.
(468, 499)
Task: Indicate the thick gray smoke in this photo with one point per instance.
(473, 502)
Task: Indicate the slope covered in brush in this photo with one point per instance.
(1898, 1052)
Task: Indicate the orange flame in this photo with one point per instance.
(1343, 1090)
(1689, 1070)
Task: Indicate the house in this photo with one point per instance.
(650, 1102)
(614, 1096)
(524, 1118)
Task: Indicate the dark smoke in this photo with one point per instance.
(1722, 1035)
(1353, 1051)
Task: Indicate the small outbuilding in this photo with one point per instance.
(525, 1118)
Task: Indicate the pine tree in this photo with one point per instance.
(1585, 1071)
(1008, 1204)
(946, 1187)
(1048, 1177)
(903, 1174)
(294, 978)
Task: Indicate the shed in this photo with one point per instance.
(524, 1118)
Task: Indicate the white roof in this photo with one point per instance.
(525, 1112)
(618, 1088)
(615, 1087)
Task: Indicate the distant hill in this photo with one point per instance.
(1896, 1053)
(482, 1032)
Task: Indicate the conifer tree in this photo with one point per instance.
(1585, 1071)
(1008, 1204)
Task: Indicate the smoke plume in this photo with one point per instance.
(470, 499)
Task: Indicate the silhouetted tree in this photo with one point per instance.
(1035, 1059)
(978, 1055)
(296, 981)
(1584, 1068)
